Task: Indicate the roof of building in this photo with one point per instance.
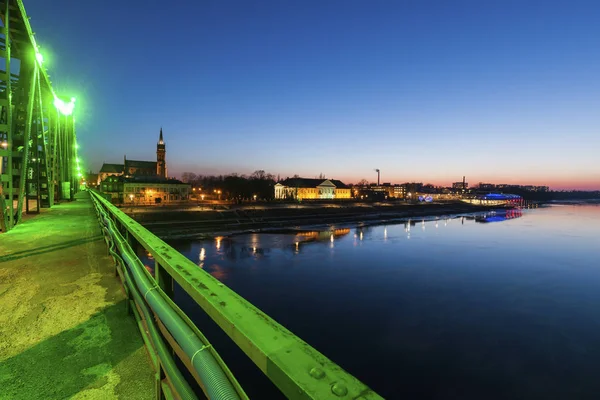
(112, 168)
(140, 164)
(310, 183)
(339, 184)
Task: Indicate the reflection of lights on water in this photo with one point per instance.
(218, 242)
(331, 238)
(255, 241)
(202, 254)
(436, 224)
(254, 249)
(423, 225)
(297, 246)
(385, 232)
(361, 235)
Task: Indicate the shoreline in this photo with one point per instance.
(205, 225)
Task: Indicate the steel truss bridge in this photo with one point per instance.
(38, 143)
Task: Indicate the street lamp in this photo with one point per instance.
(254, 197)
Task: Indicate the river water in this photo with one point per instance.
(459, 308)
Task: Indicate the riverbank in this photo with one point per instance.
(192, 223)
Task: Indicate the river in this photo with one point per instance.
(447, 308)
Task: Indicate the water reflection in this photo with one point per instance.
(452, 303)
(498, 216)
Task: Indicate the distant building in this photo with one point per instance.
(412, 187)
(161, 154)
(109, 170)
(460, 185)
(486, 186)
(305, 188)
(150, 190)
(399, 191)
(138, 168)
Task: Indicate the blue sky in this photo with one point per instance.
(499, 91)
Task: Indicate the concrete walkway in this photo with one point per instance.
(64, 330)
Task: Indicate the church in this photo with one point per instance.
(134, 168)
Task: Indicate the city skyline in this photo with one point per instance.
(502, 92)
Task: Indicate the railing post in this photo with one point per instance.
(163, 279)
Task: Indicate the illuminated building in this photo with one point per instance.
(304, 188)
(138, 168)
(399, 191)
(140, 190)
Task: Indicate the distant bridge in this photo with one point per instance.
(38, 145)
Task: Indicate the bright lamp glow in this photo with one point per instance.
(64, 108)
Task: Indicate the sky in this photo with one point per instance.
(428, 91)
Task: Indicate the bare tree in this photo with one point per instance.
(188, 177)
(258, 174)
(363, 182)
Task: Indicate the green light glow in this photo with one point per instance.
(39, 57)
(64, 108)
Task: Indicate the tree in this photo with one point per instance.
(188, 177)
(363, 182)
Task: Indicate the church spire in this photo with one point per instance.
(160, 139)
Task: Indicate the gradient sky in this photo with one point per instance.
(500, 91)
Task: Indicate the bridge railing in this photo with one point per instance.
(297, 369)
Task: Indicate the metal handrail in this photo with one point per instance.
(296, 368)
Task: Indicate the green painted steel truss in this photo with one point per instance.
(37, 138)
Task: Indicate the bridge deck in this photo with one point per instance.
(64, 329)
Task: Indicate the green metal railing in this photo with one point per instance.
(297, 369)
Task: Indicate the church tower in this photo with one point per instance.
(161, 153)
